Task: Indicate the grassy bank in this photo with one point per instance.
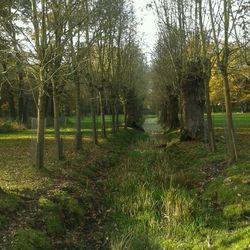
(55, 207)
(129, 192)
(180, 197)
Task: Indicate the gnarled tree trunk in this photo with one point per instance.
(193, 102)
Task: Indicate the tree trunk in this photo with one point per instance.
(93, 115)
(113, 117)
(206, 64)
(40, 126)
(210, 129)
(78, 135)
(21, 98)
(103, 122)
(125, 114)
(12, 107)
(193, 98)
(232, 148)
(117, 119)
(58, 141)
(172, 109)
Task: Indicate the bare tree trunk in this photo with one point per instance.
(58, 140)
(113, 116)
(125, 114)
(230, 128)
(210, 129)
(207, 72)
(117, 119)
(103, 122)
(21, 97)
(222, 61)
(40, 125)
(93, 115)
(193, 98)
(41, 46)
(78, 135)
(12, 107)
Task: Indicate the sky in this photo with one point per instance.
(147, 28)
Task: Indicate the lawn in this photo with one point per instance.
(240, 120)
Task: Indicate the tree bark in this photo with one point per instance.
(113, 117)
(78, 135)
(232, 148)
(93, 115)
(207, 74)
(117, 119)
(193, 98)
(171, 119)
(103, 122)
(125, 114)
(41, 122)
(58, 140)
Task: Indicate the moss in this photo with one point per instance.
(52, 214)
(236, 240)
(233, 211)
(237, 179)
(47, 204)
(230, 190)
(232, 194)
(236, 211)
(30, 239)
(71, 209)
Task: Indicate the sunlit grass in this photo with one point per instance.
(162, 199)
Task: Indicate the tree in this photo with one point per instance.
(222, 62)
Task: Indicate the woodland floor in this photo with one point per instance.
(134, 191)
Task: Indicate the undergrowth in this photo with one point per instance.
(179, 197)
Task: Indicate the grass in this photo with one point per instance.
(49, 206)
(178, 197)
(240, 120)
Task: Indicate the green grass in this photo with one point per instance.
(49, 206)
(67, 129)
(240, 120)
(157, 198)
(175, 199)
